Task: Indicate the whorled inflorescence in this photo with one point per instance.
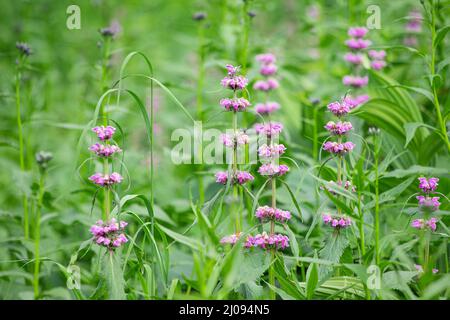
(427, 204)
(269, 152)
(412, 28)
(109, 234)
(235, 104)
(339, 130)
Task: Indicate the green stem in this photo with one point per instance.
(26, 222)
(441, 122)
(201, 75)
(273, 295)
(377, 206)
(37, 235)
(234, 171)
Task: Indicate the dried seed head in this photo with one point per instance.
(24, 48)
(199, 16)
(43, 158)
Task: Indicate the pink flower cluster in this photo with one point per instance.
(268, 213)
(105, 180)
(338, 148)
(273, 170)
(423, 224)
(104, 150)
(267, 61)
(356, 101)
(357, 32)
(428, 185)
(104, 133)
(413, 27)
(354, 58)
(266, 85)
(269, 128)
(355, 81)
(271, 151)
(234, 104)
(231, 239)
(427, 203)
(230, 140)
(338, 128)
(337, 222)
(240, 177)
(377, 57)
(265, 241)
(266, 108)
(109, 234)
(234, 81)
(339, 109)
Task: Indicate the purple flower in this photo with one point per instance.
(266, 108)
(269, 128)
(357, 32)
(112, 30)
(104, 133)
(422, 224)
(355, 81)
(234, 104)
(24, 48)
(234, 83)
(353, 58)
(109, 234)
(339, 108)
(358, 44)
(356, 101)
(410, 41)
(266, 58)
(338, 128)
(338, 148)
(268, 69)
(268, 213)
(106, 180)
(231, 239)
(338, 222)
(378, 64)
(266, 85)
(265, 241)
(240, 177)
(271, 151)
(230, 140)
(104, 150)
(428, 185)
(271, 170)
(377, 55)
(428, 203)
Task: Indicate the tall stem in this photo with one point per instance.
(441, 122)
(234, 171)
(37, 235)
(104, 117)
(21, 149)
(377, 205)
(201, 75)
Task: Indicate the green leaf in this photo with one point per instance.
(410, 129)
(332, 251)
(312, 279)
(440, 35)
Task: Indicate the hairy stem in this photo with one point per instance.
(37, 235)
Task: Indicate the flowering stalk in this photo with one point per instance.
(339, 148)
(42, 159)
(377, 201)
(358, 46)
(269, 153)
(107, 232)
(235, 82)
(428, 203)
(200, 17)
(25, 51)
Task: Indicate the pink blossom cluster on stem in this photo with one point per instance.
(412, 28)
(269, 153)
(109, 234)
(235, 82)
(428, 203)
